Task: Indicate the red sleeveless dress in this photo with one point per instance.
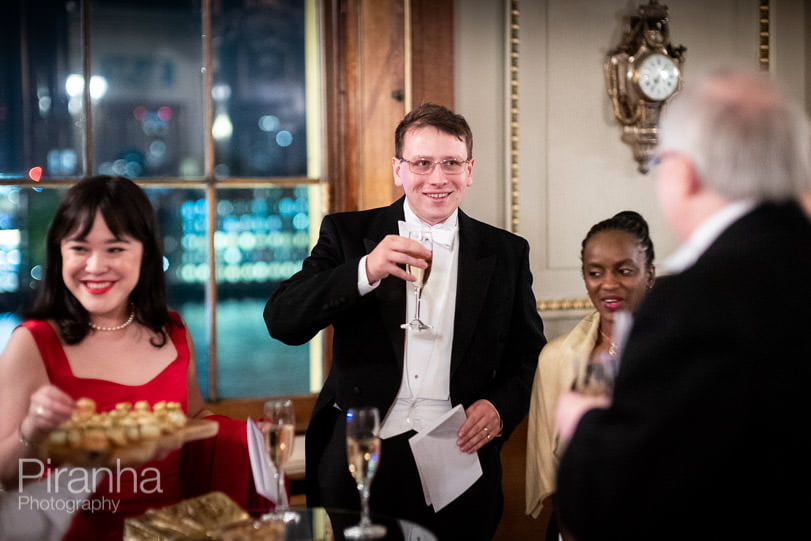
(155, 484)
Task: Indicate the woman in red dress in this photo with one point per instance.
(100, 329)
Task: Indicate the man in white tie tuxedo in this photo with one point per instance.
(480, 351)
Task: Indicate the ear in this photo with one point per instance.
(692, 184)
(396, 168)
(682, 178)
(469, 173)
(651, 276)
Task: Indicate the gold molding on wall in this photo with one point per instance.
(515, 42)
(564, 304)
(763, 47)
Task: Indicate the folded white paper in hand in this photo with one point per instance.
(264, 472)
(445, 471)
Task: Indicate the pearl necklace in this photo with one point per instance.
(612, 349)
(117, 327)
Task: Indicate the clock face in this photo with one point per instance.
(658, 77)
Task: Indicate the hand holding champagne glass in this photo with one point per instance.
(593, 387)
(424, 238)
(363, 455)
(280, 435)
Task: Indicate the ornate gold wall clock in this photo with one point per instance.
(641, 74)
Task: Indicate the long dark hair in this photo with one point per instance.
(126, 211)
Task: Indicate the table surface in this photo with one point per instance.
(319, 524)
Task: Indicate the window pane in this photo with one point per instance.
(146, 86)
(25, 215)
(40, 124)
(262, 238)
(259, 88)
(181, 215)
(148, 102)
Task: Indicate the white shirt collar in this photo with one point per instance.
(412, 218)
(704, 235)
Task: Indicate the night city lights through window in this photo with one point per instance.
(222, 134)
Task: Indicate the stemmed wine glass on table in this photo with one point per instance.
(363, 456)
(280, 435)
(424, 238)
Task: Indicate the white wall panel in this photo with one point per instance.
(574, 170)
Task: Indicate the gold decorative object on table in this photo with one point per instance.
(201, 518)
(265, 530)
(129, 434)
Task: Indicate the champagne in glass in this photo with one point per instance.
(280, 435)
(594, 375)
(420, 274)
(424, 238)
(280, 439)
(363, 456)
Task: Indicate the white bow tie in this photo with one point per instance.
(442, 234)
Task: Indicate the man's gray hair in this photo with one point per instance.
(745, 138)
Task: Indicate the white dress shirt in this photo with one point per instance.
(424, 393)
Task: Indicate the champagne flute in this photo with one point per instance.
(363, 455)
(280, 435)
(424, 238)
(595, 376)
